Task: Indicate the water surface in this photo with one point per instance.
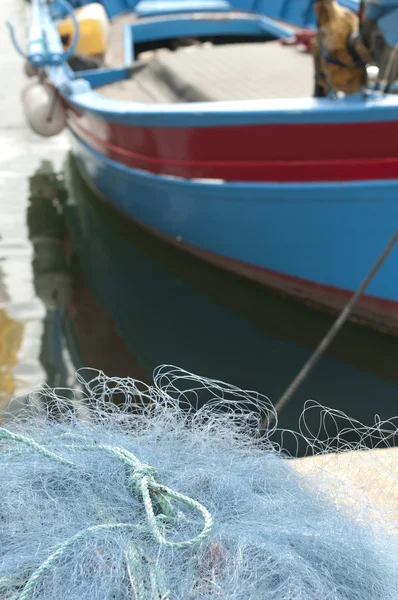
(79, 286)
(21, 152)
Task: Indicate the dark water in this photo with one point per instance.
(124, 302)
(79, 286)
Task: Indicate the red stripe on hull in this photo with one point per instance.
(288, 153)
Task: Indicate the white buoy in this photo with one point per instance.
(44, 110)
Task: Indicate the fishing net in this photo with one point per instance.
(121, 490)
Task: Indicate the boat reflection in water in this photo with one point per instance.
(51, 274)
(11, 334)
(138, 303)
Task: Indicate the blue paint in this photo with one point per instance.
(328, 233)
(150, 8)
(274, 29)
(128, 45)
(384, 3)
(145, 31)
(250, 112)
(53, 30)
(64, 79)
(298, 12)
(44, 47)
(334, 231)
(99, 77)
(389, 26)
(205, 323)
(55, 51)
(272, 8)
(139, 32)
(36, 49)
(59, 12)
(116, 7)
(289, 111)
(171, 28)
(351, 4)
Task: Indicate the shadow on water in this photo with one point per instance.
(125, 302)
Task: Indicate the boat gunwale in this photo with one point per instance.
(78, 91)
(223, 113)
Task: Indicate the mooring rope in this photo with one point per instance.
(143, 483)
(330, 335)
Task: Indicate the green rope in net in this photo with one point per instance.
(157, 501)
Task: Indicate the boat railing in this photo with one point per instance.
(44, 47)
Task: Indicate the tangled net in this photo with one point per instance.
(125, 491)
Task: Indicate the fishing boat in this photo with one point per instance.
(201, 126)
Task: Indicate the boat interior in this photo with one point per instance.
(187, 51)
(202, 57)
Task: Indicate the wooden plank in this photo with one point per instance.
(227, 72)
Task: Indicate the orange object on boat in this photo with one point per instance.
(93, 30)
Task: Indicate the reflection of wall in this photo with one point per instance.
(51, 277)
(11, 333)
(3, 289)
(83, 330)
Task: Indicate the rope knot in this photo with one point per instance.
(136, 478)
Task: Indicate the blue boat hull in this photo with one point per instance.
(297, 193)
(315, 241)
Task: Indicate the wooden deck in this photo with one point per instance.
(206, 73)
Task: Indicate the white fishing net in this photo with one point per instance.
(119, 490)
